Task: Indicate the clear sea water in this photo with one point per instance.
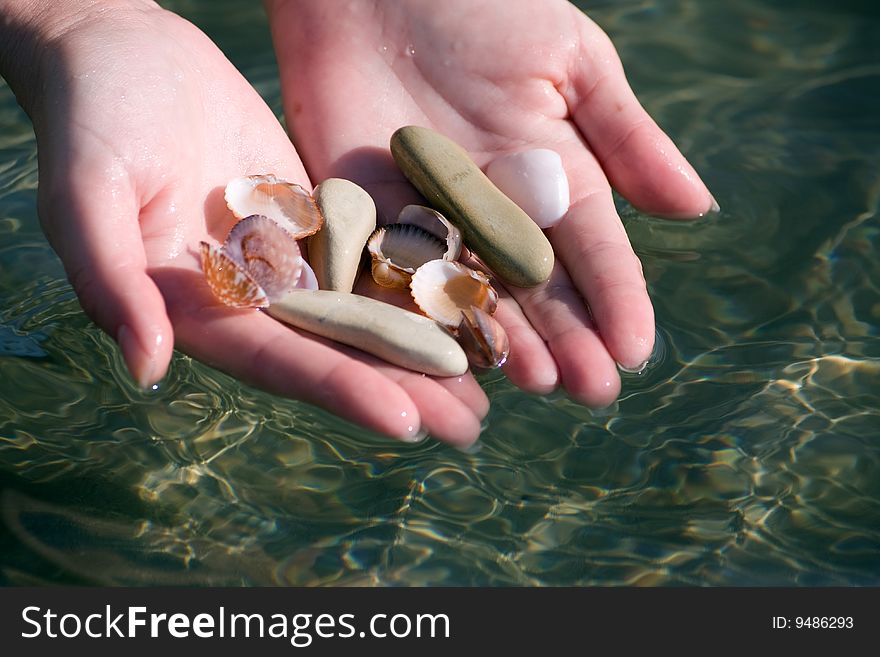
(747, 454)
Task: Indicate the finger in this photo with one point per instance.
(531, 365)
(451, 409)
(593, 246)
(94, 229)
(559, 314)
(464, 387)
(639, 159)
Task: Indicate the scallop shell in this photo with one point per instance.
(436, 224)
(258, 264)
(483, 339)
(398, 250)
(446, 290)
(288, 204)
(267, 252)
(229, 281)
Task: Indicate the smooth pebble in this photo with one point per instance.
(349, 219)
(391, 333)
(493, 226)
(535, 180)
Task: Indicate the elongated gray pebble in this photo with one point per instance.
(349, 219)
(493, 226)
(391, 333)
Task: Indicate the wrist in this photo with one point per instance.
(29, 30)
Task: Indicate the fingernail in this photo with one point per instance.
(636, 353)
(415, 435)
(638, 369)
(658, 353)
(714, 208)
(141, 363)
(473, 448)
(413, 432)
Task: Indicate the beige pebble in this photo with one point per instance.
(391, 333)
(349, 219)
(493, 226)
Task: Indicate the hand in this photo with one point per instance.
(140, 123)
(496, 77)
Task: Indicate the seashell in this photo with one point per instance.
(535, 180)
(288, 204)
(308, 280)
(436, 224)
(267, 252)
(483, 339)
(398, 250)
(258, 263)
(445, 290)
(229, 281)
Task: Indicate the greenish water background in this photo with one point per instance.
(746, 454)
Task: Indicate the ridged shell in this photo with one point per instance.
(267, 252)
(483, 339)
(436, 224)
(444, 290)
(229, 282)
(288, 204)
(398, 250)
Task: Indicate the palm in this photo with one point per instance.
(139, 148)
(498, 77)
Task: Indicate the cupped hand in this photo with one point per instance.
(499, 76)
(140, 123)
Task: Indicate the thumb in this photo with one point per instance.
(96, 233)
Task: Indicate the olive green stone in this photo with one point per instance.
(391, 333)
(493, 226)
(349, 219)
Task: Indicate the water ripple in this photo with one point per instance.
(745, 453)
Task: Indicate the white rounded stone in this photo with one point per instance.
(535, 180)
(394, 334)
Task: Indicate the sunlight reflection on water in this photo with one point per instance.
(745, 454)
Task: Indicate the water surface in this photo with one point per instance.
(748, 453)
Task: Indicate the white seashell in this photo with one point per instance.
(445, 290)
(436, 224)
(308, 280)
(288, 204)
(535, 180)
(398, 250)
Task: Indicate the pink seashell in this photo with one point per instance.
(267, 252)
(287, 204)
(229, 281)
(308, 280)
